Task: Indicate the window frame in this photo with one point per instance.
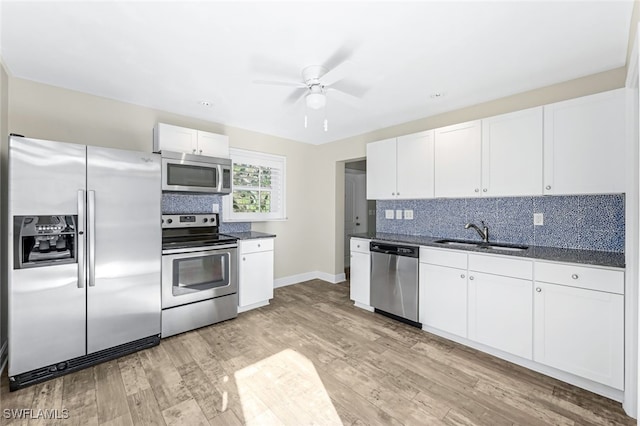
(263, 159)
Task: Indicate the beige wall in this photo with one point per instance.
(331, 156)
(46, 112)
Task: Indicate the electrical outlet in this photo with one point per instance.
(215, 208)
(398, 214)
(408, 214)
(388, 214)
(538, 219)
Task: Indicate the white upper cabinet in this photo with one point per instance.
(512, 154)
(400, 168)
(381, 169)
(213, 144)
(584, 145)
(457, 160)
(167, 137)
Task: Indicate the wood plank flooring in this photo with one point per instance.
(310, 358)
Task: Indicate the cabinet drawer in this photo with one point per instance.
(254, 246)
(359, 245)
(591, 278)
(501, 265)
(450, 258)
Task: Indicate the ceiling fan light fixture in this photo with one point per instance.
(316, 100)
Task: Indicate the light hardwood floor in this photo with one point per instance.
(311, 358)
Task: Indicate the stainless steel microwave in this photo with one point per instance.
(195, 173)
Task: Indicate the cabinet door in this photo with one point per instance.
(213, 145)
(381, 170)
(415, 166)
(443, 298)
(584, 145)
(255, 278)
(458, 160)
(512, 154)
(175, 138)
(360, 274)
(580, 331)
(501, 313)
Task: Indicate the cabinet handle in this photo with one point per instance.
(200, 151)
(477, 190)
(471, 277)
(244, 258)
(358, 246)
(259, 246)
(548, 187)
(575, 276)
(461, 275)
(484, 190)
(194, 151)
(393, 193)
(538, 289)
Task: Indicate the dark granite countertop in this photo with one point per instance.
(587, 257)
(250, 235)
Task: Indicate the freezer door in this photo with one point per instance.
(47, 305)
(124, 246)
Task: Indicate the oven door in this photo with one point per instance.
(198, 274)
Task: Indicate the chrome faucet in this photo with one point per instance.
(484, 232)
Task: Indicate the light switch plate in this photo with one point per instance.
(215, 208)
(398, 214)
(408, 214)
(538, 219)
(388, 214)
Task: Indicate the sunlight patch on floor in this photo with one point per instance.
(284, 388)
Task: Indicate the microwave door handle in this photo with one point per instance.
(220, 177)
(92, 239)
(81, 238)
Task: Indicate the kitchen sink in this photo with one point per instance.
(482, 245)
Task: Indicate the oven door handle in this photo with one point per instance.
(203, 250)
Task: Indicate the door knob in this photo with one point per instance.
(357, 223)
(538, 289)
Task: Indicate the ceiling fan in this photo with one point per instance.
(320, 80)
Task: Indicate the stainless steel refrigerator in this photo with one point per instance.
(85, 256)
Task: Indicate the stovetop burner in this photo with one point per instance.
(192, 230)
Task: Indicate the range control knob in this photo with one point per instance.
(205, 220)
(211, 220)
(162, 220)
(169, 220)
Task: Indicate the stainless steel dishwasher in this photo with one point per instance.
(394, 280)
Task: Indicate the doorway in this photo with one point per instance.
(359, 213)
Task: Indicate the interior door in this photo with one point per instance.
(46, 304)
(124, 247)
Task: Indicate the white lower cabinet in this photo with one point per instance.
(501, 313)
(255, 273)
(360, 272)
(570, 318)
(578, 328)
(443, 298)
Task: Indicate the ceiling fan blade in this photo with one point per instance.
(339, 56)
(336, 74)
(350, 87)
(281, 83)
(344, 97)
(296, 95)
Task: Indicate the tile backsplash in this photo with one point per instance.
(174, 203)
(588, 222)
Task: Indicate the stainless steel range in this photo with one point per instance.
(199, 273)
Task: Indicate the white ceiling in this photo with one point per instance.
(172, 55)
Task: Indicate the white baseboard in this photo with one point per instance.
(363, 306)
(307, 276)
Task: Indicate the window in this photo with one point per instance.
(258, 187)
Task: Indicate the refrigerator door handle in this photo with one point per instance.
(81, 237)
(92, 238)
